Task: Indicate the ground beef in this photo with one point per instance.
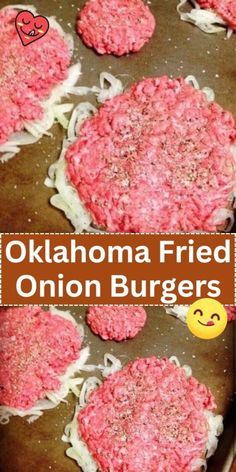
(117, 323)
(116, 26)
(231, 312)
(225, 8)
(28, 74)
(36, 347)
(148, 417)
(155, 158)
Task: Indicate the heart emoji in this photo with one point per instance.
(30, 28)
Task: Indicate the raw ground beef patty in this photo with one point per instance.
(28, 74)
(155, 158)
(116, 26)
(117, 323)
(36, 347)
(231, 312)
(148, 417)
(225, 8)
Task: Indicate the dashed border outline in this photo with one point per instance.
(232, 235)
(118, 234)
(101, 304)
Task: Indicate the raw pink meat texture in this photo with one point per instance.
(225, 8)
(117, 323)
(116, 26)
(155, 158)
(27, 74)
(148, 417)
(231, 312)
(36, 347)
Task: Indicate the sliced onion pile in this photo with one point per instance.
(67, 198)
(205, 19)
(78, 450)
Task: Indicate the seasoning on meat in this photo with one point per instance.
(116, 26)
(28, 74)
(36, 348)
(149, 416)
(158, 157)
(117, 323)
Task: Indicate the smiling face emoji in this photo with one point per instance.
(29, 27)
(207, 318)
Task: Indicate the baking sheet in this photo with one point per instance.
(177, 48)
(38, 446)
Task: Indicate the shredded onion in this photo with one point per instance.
(69, 383)
(216, 428)
(11, 147)
(67, 198)
(209, 92)
(179, 311)
(175, 361)
(79, 451)
(111, 365)
(103, 92)
(199, 464)
(53, 110)
(224, 215)
(187, 369)
(206, 20)
(89, 385)
(82, 112)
